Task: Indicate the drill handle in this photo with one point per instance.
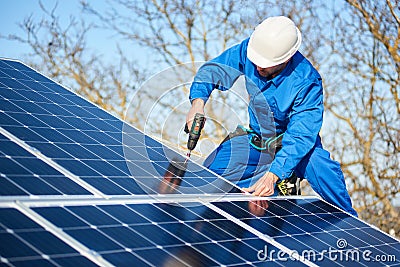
(197, 124)
(195, 131)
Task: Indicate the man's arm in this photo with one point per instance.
(299, 138)
(302, 130)
(220, 72)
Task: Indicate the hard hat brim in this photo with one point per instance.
(263, 62)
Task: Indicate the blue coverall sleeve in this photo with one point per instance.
(302, 130)
(220, 72)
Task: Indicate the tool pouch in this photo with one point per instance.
(240, 130)
(270, 145)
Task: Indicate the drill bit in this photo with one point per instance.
(188, 156)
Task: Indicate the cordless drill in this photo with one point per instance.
(176, 170)
(195, 131)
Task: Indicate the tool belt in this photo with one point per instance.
(288, 186)
(269, 145)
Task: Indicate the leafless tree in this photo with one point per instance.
(61, 52)
(365, 104)
(178, 32)
(194, 31)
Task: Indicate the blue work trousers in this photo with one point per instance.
(237, 161)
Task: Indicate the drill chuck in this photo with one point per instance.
(192, 144)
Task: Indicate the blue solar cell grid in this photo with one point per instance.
(86, 140)
(159, 235)
(21, 173)
(321, 232)
(25, 243)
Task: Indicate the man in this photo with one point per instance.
(285, 100)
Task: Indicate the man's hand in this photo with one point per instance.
(197, 107)
(264, 186)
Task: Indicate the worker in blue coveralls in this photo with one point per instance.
(286, 99)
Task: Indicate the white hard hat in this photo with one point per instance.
(273, 42)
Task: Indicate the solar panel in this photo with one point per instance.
(80, 188)
(152, 233)
(87, 141)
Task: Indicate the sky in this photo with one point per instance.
(13, 12)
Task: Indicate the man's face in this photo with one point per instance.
(271, 71)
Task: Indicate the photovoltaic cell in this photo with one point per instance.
(25, 243)
(21, 173)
